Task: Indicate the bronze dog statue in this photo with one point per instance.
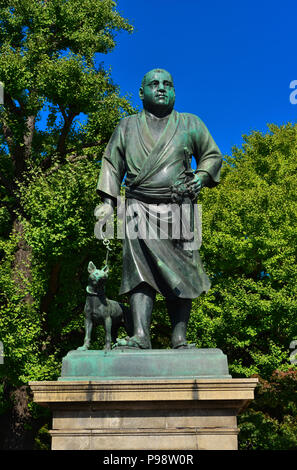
(98, 309)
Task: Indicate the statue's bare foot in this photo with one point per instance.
(84, 347)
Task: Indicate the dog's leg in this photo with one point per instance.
(88, 331)
(107, 324)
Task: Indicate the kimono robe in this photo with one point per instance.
(151, 168)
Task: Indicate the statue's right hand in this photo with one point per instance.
(102, 212)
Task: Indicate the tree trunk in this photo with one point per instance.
(18, 429)
(22, 262)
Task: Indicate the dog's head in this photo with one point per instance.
(97, 276)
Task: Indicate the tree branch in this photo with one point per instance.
(8, 101)
(19, 153)
(28, 137)
(68, 119)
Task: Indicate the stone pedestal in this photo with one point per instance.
(146, 414)
(131, 363)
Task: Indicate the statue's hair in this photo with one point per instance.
(154, 70)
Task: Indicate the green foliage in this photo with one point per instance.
(160, 326)
(59, 228)
(49, 55)
(270, 423)
(60, 108)
(43, 439)
(59, 209)
(49, 63)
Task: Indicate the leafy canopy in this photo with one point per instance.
(58, 97)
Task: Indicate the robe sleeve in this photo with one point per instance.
(206, 152)
(113, 166)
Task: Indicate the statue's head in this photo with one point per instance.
(157, 92)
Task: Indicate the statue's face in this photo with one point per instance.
(157, 92)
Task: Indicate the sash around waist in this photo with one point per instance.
(153, 195)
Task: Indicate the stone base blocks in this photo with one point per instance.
(147, 414)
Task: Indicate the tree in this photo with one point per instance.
(60, 108)
(270, 423)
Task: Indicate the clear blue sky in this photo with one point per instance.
(232, 61)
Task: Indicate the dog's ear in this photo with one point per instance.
(91, 267)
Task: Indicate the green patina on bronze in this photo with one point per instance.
(152, 149)
(144, 364)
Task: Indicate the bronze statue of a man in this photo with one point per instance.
(151, 148)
